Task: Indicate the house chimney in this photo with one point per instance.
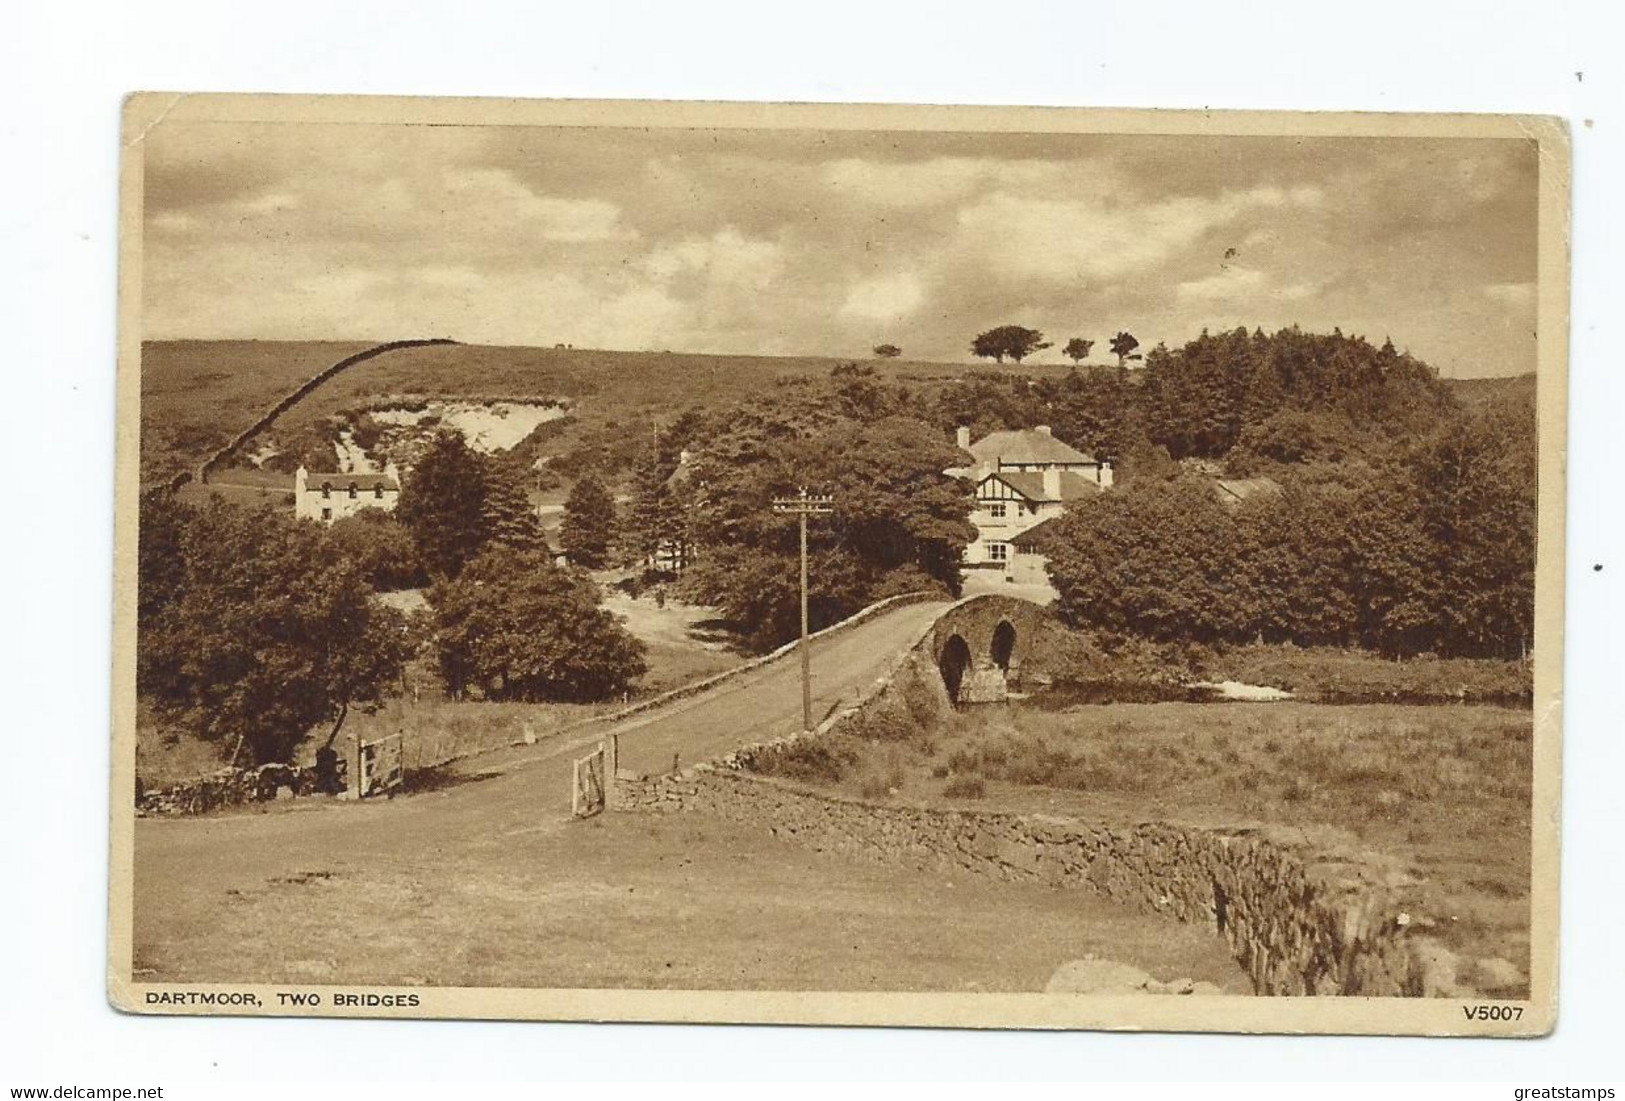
(962, 437)
(1052, 484)
(1042, 429)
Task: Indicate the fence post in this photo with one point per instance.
(612, 766)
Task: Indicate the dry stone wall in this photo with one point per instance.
(1300, 920)
(1298, 924)
(227, 787)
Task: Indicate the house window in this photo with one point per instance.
(998, 552)
(327, 513)
(352, 491)
(327, 490)
(378, 493)
(996, 510)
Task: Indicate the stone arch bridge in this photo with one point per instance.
(979, 643)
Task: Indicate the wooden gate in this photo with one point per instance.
(587, 794)
(382, 766)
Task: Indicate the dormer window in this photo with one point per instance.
(378, 493)
(327, 490)
(352, 491)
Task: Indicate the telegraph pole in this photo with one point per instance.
(802, 505)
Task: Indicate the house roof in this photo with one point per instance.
(345, 481)
(1036, 536)
(1030, 484)
(1027, 445)
(1235, 490)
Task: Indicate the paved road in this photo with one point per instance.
(521, 791)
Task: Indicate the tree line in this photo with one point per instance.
(256, 629)
(1427, 546)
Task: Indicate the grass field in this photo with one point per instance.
(1444, 788)
(197, 394)
(666, 902)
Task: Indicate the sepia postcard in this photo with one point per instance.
(868, 565)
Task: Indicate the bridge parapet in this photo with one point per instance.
(979, 643)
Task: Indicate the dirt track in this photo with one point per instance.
(486, 881)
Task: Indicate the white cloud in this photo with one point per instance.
(726, 258)
(1091, 238)
(884, 297)
(495, 198)
(1226, 284)
(933, 182)
(272, 203)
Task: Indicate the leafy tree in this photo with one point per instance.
(589, 524)
(1123, 345)
(1093, 409)
(656, 514)
(1077, 349)
(1153, 562)
(1014, 341)
(443, 505)
(887, 351)
(895, 511)
(860, 393)
(519, 627)
(380, 549)
(261, 631)
(509, 519)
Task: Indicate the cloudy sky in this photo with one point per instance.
(787, 242)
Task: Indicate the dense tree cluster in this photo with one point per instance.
(457, 502)
(1016, 341)
(1428, 547)
(255, 627)
(1200, 399)
(381, 550)
(588, 529)
(518, 627)
(899, 523)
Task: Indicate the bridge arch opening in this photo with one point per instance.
(953, 663)
(1004, 644)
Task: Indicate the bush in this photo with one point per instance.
(822, 761)
(965, 787)
(521, 628)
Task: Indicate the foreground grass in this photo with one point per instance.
(1447, 789)
(662, 902)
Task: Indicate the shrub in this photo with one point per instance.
(822, 761)
(965, 787)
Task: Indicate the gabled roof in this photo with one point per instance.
(1026, 445)
(345, 481)
(1030, 484)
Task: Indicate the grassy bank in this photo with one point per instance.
(1070, 667)
(1446, 789)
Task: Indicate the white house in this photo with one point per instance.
(328, 497)
(1023, 479)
